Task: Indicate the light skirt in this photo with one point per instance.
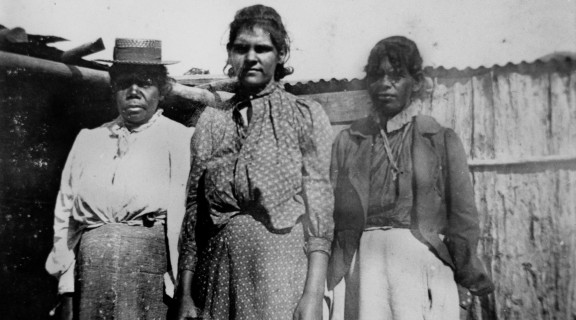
(394, 276)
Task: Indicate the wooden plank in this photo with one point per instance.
(483, 115)
(563, 113)
(522, 115)
(461, 105)
(439, 108)
(510, 162)
(565, 250)
(343, 107)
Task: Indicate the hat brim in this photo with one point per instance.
(134, 62)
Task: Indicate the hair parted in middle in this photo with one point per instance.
(270, 21)
(402, 53)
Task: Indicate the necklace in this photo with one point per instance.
(395, 169)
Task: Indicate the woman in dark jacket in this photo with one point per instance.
(406, 227)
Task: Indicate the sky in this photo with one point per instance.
(330, 38)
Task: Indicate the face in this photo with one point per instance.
(390, 89)
(137, 97)
(254, 58)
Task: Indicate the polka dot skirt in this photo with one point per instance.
(247, 272)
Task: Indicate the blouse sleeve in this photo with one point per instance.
(201, 149)
(316, 145)
(180, 167)
(61, 260)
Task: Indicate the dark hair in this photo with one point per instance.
(402, 53)
(157, 73)
(270, 21)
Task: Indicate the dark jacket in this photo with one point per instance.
(442, 201)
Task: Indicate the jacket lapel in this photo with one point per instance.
(359, 173)
(426, 166)
(424, 159)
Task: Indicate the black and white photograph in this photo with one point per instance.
(288, 160)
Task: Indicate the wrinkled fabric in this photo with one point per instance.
(248, 273)
(437, 190)
(113, 175)
(395, 276)
(382, 208)
(275, 169)
(120, 272)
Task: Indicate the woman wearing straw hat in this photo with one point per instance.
(121, 201)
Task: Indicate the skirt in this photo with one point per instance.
(394, 276)
(246, 272)
(119, 272)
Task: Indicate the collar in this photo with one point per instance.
(119, 124)
(367, 127)
(241, 97)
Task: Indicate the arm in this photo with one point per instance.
(186, 308)
(195, 94)
(201, 149)
(210, 94)
(319, 199)
(61, 260)
(463, 225)
(310, 304)
(179, 142)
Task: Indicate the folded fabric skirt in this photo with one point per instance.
(394, 276)
(246, 272)
(119, 272)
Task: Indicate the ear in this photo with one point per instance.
(281, 57)
(418, 85)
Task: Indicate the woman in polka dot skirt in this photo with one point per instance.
(257, 234)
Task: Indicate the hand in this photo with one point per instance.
(186, 309)
(64, 309)
(309, 308)
(465, 297)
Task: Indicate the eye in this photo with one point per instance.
(121, 84)
(144, 82)
(262, 48)
(240, 48)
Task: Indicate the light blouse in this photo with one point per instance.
(114, 175)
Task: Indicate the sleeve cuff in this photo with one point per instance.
(318, 244)
(66, 281)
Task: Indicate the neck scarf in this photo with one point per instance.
(122, 133)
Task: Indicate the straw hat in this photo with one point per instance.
(138, 52)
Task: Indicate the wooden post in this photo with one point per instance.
(38, 66)
(16, 35)
(83, 50)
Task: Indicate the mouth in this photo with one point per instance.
(252, 70)
(385, 96)
(132, 109)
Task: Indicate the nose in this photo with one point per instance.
(386, 82)
(133, 88)
(251, 55)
